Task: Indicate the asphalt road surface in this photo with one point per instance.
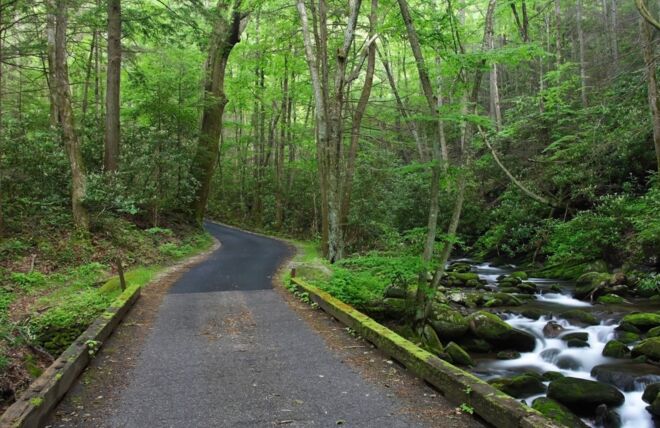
(227, 351)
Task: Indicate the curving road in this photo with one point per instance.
(227, 351)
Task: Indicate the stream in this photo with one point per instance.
(553, 354)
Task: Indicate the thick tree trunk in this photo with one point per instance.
(357, 120)
(583, 65)
(62, 98)
(648, 46)
(112, 125)
(226, 34)
(558, 36)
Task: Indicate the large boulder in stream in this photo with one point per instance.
(626, 376)
(616, 349)
(447, 322)
(458, 355)
(557, 412)
(520, 386)
(580, 317)
(552, 329)
(650, 348)
(501, 335)
(584, 396)
(643, 321)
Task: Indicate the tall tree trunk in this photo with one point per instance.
(583, 65)
(558, 37)
(648, 46)
(357, 120)
(226, 34)
(439, 155)
(62, 98)
(112, 125)
(496, 112)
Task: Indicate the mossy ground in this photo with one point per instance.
(48, 297)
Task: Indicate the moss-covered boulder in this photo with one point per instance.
(643, 321)
(591, 284)
(526, 288)
(502, 299)
(534, 313)
(501, 335)
(520, 275)
(651, 392)
(577, 343)
(551, 375)
(474, 344)
(607, 418)
(459, 267)
(508, 355)
(654, 408)
(616, 349)
(654, 332)
(447, 322)
(584, 396)
(458, 355)
(431, 341)
(611, 299)
(457, 279)
(520, 386)
(557, 412)
(581, 317)
(627, 337)
(650, 348)
(580, 335)
(626, 375)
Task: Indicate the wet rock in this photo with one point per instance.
(626, 376)
(509, 281)
(459, 267)
(567, 362)
(508, 355)
(502, 299)
(625, 326)
(651, 392)
(550, 355)
(654, 332)
(431, 340)
(473, 344)
(584, 396)
(501, 335)
(457, 279)
(611, 299)
(519, 275)
(394, 308)
(580, 335)
(654, 408)
(550, 376)
(616, 349)
(591, 284)
(447, 322)
(552, 329)
(458, 355)
(520, 386)
(557, 412)
(627, 337)
(580, 316)
(577, 343)
(649, 348)
(526, 287)
(607, 418)
(533, 313)
(643, 321)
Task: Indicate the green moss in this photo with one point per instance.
(36, 401)
(458, 355)
(580, 316)
(643, 321)
(611, 299)
(557, 412)
(616, 349)
(519, 386)
(649, 348)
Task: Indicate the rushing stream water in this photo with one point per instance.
(553, 354)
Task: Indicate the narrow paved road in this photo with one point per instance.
(227, 351)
